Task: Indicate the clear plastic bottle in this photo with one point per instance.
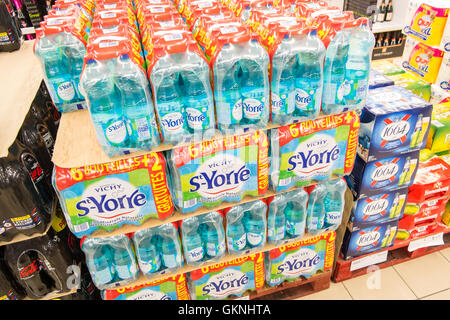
(236, 235)
(197, 104)
(316, 211)
(148, 256)
(253, 93)
(255, 224)
(276, 221)
(100, 266)
(194, 251)
(136, 103)
(123, 263)
(296, 213)
(334, 203)
(74, 51)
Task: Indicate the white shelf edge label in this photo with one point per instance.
(433, 240)
(370, 260)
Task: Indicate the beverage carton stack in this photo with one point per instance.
(213, 209)
(394, 128)
(427, 48)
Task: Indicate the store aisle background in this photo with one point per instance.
(424, 278)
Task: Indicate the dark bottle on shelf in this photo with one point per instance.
(386, 40)
(9, 289)
(389, 11)
(30, 273)
(9, 28)
(379, 42)
(381, 12)
(394, 39)
(47, 107)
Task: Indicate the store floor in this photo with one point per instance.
(427, 277)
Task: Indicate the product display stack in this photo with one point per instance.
(427, 48)
(203, 145)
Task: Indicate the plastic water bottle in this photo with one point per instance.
(123, 263)
(136, 104)
(197, 104)
(309, 77)
(334, 84)
(99, 88)
(253, 93)
(170, 109)
(255, 224)
(283, 86)
(334, 203)
(169, 252)
(276, 221)
(74, 51)
(357, 71)
(192, 242)
(60, 80)
(316, 210)
(296, 213)
(102, 271)
(228, 98)
(214, 240)
(149, 259)
(236, 235)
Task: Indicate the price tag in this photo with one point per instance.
(433, 240)
(369, 260)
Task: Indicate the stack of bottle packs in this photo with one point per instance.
(231, 278)
(61, 46)
(394, 127)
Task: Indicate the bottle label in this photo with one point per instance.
(282, 104)
(26, 222)
(236, 111)
(116, 132)
(152, 265)
(172, 123)
(253, 108)
(66, 91)
(276, 233)
(195, 254)
(29, 271)
(238, 243)
(295, 228)
(304, 100)
(333, 218)
(142, 128)
(196, 119)
(255, 239)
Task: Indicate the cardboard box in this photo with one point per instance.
(417, 231)
(414, 84)
(428, 211)
(394, 121)
(389, 174)
(369, 239)
(170, 288)
(303, 258)
(439, 136)
(377, 80)
(380, 208)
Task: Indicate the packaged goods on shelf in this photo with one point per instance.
(431, 210)
(158, 249)
(313, 150)
(170, 288)
(110, 260)
(387, 68)
(232, 278)
(44, 266)
(432, 179)
(414, 84)
(429, 22)
(286, 219)
(9, 289)
(222, 170)
(377, 80)
(246, 226)
(438, 94)
(443, 78)
(325, 206)
(203, 238)
(377, 209)
(422, 60)
(446, 216)
(388, 174)
(418, 231)
(61, 46)
(304, 258)
(439, 136)
(394, 121)
(370, 239)
(105, 196)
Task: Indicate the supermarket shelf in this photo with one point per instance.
(55, 295)
(290, 290)
(227, 258)
(21, 78)
(151, 223)
(387, 26)
(77, 144)
(396, 254)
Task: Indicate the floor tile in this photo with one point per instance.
(426, 275)
(383, 284)
(446, 253)
(443, 295)
(336, 291)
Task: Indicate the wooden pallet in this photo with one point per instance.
(290, 290)
(398, 253)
